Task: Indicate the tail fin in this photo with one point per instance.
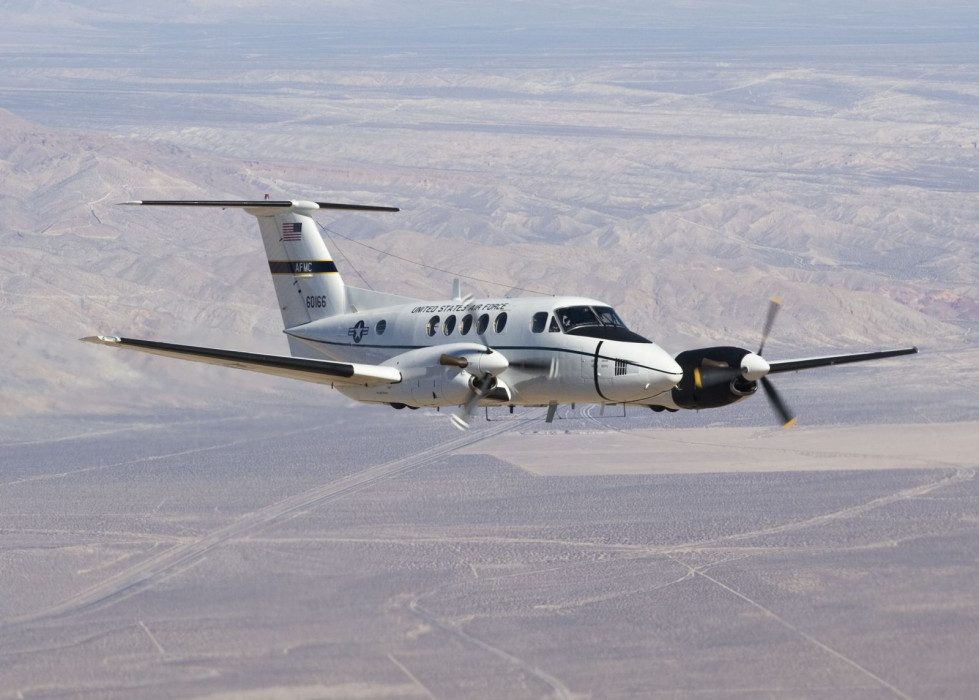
(307, 283)
(306, 279)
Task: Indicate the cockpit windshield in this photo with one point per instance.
(596, 322)
(608, 317)
(577, 316)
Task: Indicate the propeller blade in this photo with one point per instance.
(458, 421)
(773, 308)
(777, 404)
(453, 361)
(479, 388)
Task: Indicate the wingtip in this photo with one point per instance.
(101, 339)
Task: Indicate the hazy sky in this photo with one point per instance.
(388, 24)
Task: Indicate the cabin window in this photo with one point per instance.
(433, 325)
(554, 327)
(539, 322)
(466, 324)
(381, 327)
(500, 322)
(482, 324)
(449, 325)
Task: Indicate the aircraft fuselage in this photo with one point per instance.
(553, 357)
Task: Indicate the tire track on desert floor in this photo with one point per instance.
(958, 476)
(559, 689)
(146, 425)
(145, 460)
(145, 573)
(778, 619)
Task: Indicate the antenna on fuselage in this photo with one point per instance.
(457, 295)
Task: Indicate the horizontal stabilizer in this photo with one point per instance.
(254, 204)
(811, 362)
(318, 371)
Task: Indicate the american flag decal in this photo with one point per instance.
(292, 231)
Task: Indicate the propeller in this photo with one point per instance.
(754, 368)
(483, 365)
(480, 386)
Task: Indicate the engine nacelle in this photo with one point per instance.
(712, 377)
(427, 380)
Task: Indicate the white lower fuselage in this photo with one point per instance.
(547, 363)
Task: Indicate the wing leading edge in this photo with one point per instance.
(318, 371)
(811, 362)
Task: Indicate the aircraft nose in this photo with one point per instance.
(667, 371)
(672, 369)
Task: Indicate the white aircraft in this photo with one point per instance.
(463, 352)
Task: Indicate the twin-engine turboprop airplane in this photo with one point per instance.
(388, 349)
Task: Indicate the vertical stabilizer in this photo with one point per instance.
(307, 283)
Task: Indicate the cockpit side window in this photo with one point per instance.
(554, 327)
(539, 322)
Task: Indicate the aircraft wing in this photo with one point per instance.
(811, 362)
(318, 371)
